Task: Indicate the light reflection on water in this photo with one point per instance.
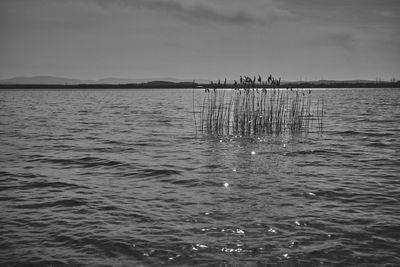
(119, 177)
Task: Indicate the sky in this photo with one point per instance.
(210, 39)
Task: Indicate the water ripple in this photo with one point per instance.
(120, 178)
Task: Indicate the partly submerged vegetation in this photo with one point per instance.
(253, 107)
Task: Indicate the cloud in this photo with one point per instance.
(343, 40)
(235, 12)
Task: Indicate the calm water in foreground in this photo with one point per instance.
(120, 178)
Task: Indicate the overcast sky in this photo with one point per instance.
(294, 39)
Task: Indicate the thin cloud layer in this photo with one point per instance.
(334, 38)
(341, 39)
(226, 11)
(209, 38)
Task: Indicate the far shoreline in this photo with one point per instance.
(190, 85)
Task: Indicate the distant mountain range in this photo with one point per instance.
(111, 80)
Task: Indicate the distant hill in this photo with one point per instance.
(42, 80)
(110, 80)
(113, 80)
(335, 81)
(61, 82)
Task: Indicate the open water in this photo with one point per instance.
(120, 178)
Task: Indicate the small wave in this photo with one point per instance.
(35, 262)
(212, 166)
(59, 203)
(21, 175)
(139, 217)
(377, 144)
(186, 182)
(143, 173)
(51, 185)
(141, 144)
(108, 208)
(6, 198)
(309, 152)
(368, 134)
(85, 162)
(113, 142)
(114, 248)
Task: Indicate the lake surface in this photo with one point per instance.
(121, 178)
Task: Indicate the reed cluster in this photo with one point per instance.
(253, 107)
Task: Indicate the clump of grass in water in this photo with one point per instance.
(254, 107)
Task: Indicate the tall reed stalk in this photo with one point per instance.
(252, 108)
